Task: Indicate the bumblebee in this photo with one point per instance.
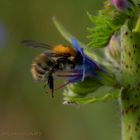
(58, 61)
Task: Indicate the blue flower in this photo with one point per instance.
(88, 67)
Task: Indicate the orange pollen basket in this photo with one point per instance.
(61, 49)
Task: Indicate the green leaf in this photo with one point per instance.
(89, 85)
(108, 21)
(110, 94)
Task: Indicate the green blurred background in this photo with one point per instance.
(26, 112)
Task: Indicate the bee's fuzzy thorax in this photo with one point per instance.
(61, 49)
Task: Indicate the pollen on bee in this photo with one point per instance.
(61, 49)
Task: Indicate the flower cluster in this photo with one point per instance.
(91, 76)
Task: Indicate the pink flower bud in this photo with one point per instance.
(120, 4)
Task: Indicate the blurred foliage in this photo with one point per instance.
(24, 106)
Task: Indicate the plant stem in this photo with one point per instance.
(130, 96)
(137, 27)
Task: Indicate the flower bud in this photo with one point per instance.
(114, 48)
(120, 4)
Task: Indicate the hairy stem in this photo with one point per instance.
(130, 96)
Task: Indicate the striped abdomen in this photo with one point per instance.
(41, 66)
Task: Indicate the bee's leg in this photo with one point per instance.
(51, 83)
(63, 85)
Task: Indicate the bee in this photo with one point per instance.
(58, 61)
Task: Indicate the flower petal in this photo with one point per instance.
(89, 67)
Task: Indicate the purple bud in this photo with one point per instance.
(120, 4)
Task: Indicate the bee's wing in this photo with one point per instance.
(51, 54)
(34, 44)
